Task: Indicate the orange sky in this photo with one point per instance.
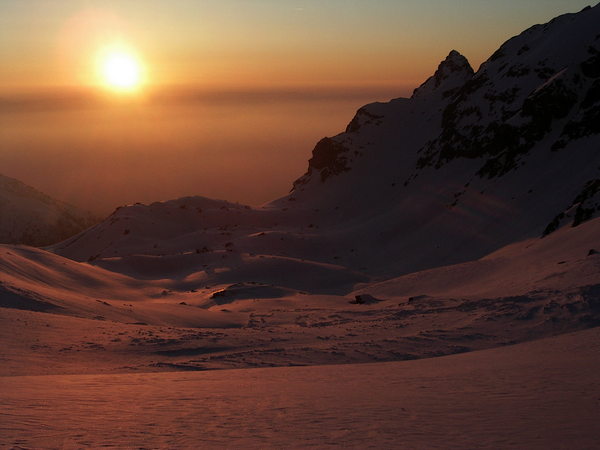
(237, 43)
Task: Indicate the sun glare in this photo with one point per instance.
(121, 71)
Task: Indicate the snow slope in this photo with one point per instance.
(30, 217)
(85, 319)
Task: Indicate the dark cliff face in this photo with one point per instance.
(521, 123)
(535, 87)
(504, 140)
(584, 207)
(328, 158)
(362, 117)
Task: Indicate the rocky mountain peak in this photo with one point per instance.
(453, 72)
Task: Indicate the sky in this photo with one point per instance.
(233, 44)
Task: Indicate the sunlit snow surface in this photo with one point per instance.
(544, 394)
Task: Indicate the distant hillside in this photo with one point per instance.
(27, 216)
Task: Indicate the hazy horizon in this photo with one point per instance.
(245, 146)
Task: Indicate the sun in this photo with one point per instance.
(120, 70)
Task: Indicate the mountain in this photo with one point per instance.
(33, 218)
(473, 161)
(462, 218)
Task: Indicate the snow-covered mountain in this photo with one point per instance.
(460, 219)
(474, 160)
(471, 162)
(27, 216)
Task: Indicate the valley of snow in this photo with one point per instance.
(64, 316)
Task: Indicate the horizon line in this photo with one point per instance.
(48, 98)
